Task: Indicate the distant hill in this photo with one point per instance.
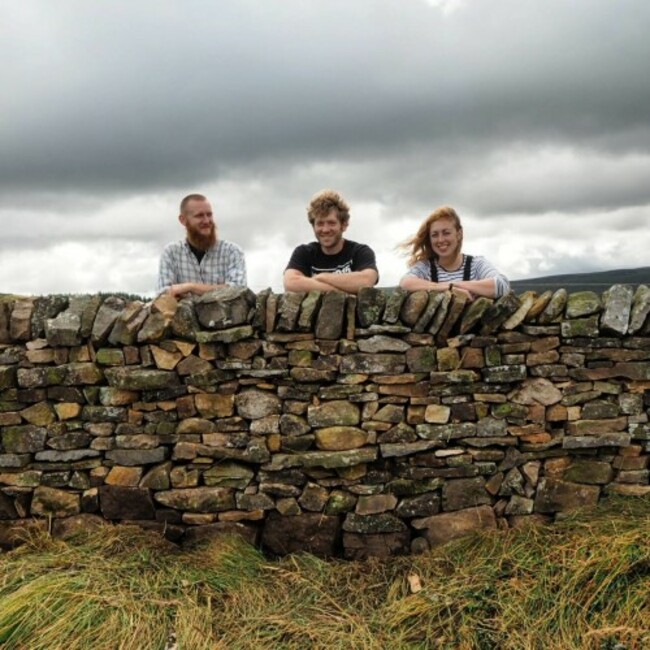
(573, 282)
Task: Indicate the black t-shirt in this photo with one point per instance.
(310, 260)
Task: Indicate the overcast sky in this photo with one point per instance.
(531, 117)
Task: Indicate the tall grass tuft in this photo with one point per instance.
(120, 587)
(583, 583)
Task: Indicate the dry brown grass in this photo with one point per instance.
(582, 583)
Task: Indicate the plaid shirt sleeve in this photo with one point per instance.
(166, 269)
(234, 265)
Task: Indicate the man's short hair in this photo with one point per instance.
(188, 198)
(324, 202)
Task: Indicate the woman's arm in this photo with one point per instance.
(485, 287)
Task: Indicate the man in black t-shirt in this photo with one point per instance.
(331, 263)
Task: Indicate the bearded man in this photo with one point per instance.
(200, 262)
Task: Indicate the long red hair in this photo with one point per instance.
(419, 246)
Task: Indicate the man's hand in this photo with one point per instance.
(182, 289)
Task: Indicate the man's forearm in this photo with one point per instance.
(192, 287)
(349, 282)
(298, 282)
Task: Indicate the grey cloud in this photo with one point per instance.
(160, 93)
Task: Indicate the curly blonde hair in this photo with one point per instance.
(419, 246)
(324, 202)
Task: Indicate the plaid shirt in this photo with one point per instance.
(224, 263)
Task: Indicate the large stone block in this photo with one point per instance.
(381, 343)
(370, 306)
(223, 529)
(20, 324)
(106, 316)
(334, 413)
(442, 528)
(413, 307)
(580, 327)
(373, 524)
(23, 439)
(138, 378)
(225, 307)
(582, 303)
(340, 438)
(255, 404)
(289, 311)
(326, 459)
(199, 499)
(554, 308)
(359, 547)
(616, 314)
(555, 495)
(474, 313)
(592, 472)
(390, 364)
(51, 502)
(229, 475)
(212, 405)
(329, 323)
(640, 309)
(315, 533)
(132, 457)
(120, 502)
(463, 493)
(498, 313)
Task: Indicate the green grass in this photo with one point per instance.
(581, 583)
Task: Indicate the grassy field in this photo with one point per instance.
(581, 583)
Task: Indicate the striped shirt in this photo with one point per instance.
(224, 263)
(480, 270)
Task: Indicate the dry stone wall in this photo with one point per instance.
(376, 424)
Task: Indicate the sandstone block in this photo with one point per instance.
(254, 404)
(580, 327)
(554, 308)
(442, 528)
(228, 475)
(463, 493)
(375, 504)
(132, 457)
(582, 303)
(125, 476)
(554, 495)
(137, 378)
(333, 413)
(211, 405)
(326, 459)
(200, 499)
(52, 502)
(340, 438)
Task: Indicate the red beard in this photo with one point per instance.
(201, 240)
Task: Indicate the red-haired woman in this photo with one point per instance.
(437, 262)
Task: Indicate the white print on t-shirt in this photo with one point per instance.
(341, 268)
